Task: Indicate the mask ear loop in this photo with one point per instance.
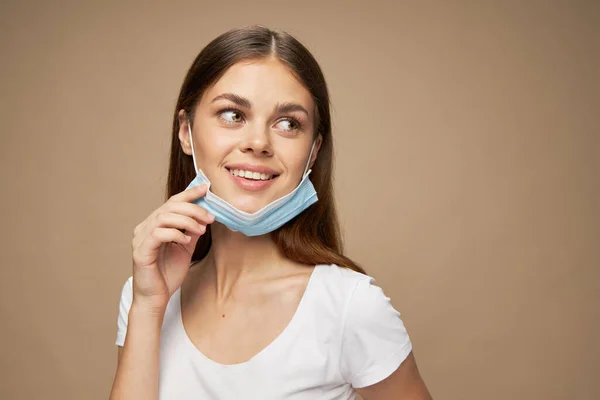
(192, 144)
(309, 157)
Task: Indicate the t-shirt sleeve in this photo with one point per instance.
(375, 341)
(124, 306)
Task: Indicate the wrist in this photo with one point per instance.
(148, 309)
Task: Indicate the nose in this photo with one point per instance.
(257, 141)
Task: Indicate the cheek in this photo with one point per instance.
(295, 159)
(215, 146)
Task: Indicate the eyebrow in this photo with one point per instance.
(289, 107)
(239, 100)
(244, 102)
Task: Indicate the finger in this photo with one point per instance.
(166, 235)
(178, 221)
(190, 194)
(191, 246)
(191, 210)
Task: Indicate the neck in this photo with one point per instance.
(235, 258)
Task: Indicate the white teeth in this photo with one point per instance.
(250, 174)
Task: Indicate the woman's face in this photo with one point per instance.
(253, 131)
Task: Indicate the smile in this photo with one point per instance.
(256, 176)
(252, 180)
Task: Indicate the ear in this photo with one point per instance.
(183, 134)
(315, 152)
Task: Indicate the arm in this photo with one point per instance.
(404, 384)
(137, 368)
(163, 245)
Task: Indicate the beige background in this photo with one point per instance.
(468, 155)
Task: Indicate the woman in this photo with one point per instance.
(239, 288)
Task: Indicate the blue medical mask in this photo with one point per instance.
(265, 220)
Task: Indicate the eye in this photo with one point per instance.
(231, 116)
(289, 124)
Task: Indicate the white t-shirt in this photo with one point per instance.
(344, 334)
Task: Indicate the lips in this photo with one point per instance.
(257, 176)
(252, 172)
(252, 168)
(252, 184)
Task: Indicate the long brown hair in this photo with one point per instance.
(313, 237)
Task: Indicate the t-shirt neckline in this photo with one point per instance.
(288, 332)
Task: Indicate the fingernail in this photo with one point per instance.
(211, 217)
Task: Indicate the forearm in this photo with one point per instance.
(137, 370)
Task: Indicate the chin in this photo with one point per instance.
(247, 205)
